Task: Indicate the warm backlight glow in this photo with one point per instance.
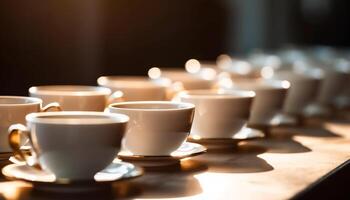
(196, 137)
(273, 61)
(154, 73)
(267, 72)
(224, 61)
(224, 80)
(208, 73)
(177, 86)
(242, 67)
(285, 84)
(193, 66)
(11, 190)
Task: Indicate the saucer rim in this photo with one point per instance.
(223, 140)
(139, 172)
(163, 157)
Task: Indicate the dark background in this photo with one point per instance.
(75, 41)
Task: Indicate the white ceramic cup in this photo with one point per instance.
(268, 102)
(76, 97)
(219, 114)
(187, 80)
(135, 88)
(71, 145)
(13, 109)
(332, 86)
(302, 92)
(156, 128)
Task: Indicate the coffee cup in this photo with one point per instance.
(219, 113)
(71, 145)
(332, 86)
(303, 91)
(13, 109)
(76, 97)
(189, 81)
(156, 128)
(135, 88)
(268, 102)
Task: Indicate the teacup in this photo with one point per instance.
(303, 91)
(71, 145)
(219, 114)
(13, 109)
(187, 80)
(135, 88)
(342, 101)
(156, 128)
(237, 68)
(268, 103)
(332, 86)
(76, 97)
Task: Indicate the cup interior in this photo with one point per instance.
(76, 118)
(151, 106)
(16, 100)
(69, 90)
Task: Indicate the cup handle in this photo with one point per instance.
(16, 132)
(51, 106)
(115, 97)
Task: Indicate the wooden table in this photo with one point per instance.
(279, 167)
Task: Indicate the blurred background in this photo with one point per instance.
(75, 42)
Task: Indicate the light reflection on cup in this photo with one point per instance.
(75, 97)
(219, 113)
(156, 128)
(303, 91)
(137, 88)
(268, 102)
(13, 109)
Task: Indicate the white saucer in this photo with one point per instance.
(317, 110)
(116, 171)
(218, 143)
(282, 119)
(186, 150)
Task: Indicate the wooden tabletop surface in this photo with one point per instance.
(275, 168)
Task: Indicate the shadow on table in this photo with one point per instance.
(243, 159)
(166, 182)
(311, 131)
(3, 163)
(281, 142)
(105, 193)
(174, 181)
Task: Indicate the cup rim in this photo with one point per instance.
(217, 94)
(128, 81)
(260, 84)
(33, 101)
(80, 90)
(289, 75)
(181, 75)
(111, 118)
(182, 106)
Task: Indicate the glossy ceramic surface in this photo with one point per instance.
(135, 88)
(73, 97)
(13, 109)
(219, 114)
(155, 127)
(63, 142)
